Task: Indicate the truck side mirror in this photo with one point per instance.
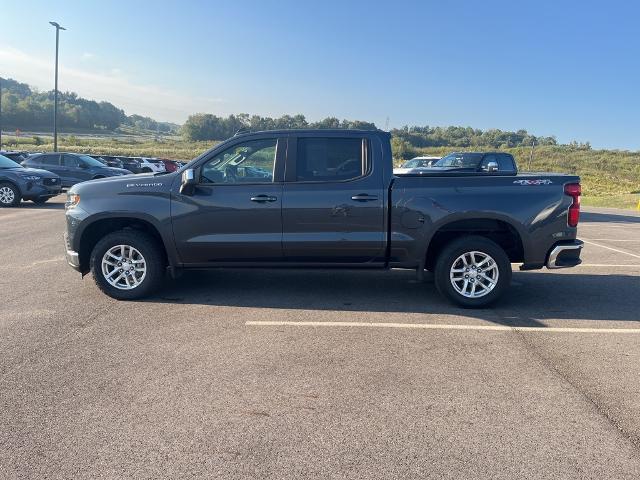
(491, 167)
(188, 182)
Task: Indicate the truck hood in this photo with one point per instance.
(130, 183)
(113, 170)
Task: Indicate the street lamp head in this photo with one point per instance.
(55, 24)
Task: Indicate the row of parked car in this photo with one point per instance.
(461, 161)
(40, 176)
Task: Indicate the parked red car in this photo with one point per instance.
(170, 165)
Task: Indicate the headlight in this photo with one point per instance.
(73, 199)
(33, 178)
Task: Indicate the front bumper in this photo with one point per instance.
(35, 190)
(73, 259)
(565, 254)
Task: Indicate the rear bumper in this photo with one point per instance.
(565, 255)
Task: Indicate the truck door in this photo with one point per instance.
(332, 201)
(234, 213)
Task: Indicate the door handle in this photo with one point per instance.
(363, 197)
(263, 198)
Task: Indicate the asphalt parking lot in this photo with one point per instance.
(249, 374)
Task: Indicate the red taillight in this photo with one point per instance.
(573, 190)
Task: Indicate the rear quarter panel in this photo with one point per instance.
(533, 204)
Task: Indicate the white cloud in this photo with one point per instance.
(114, 87)
(87, 56)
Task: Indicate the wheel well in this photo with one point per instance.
(497, 230)
(98, 229)
(12, 183)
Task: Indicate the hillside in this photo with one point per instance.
(26, 109)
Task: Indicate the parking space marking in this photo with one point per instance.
(610, 248)
(628, 265)
(614, 240)
(435, 326)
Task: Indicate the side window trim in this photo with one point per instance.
(292, 160)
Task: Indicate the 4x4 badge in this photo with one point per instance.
(534, 182)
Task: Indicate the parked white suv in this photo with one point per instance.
(150, 165)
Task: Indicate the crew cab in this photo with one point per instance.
(322, 198)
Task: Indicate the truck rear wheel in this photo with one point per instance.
(127, 264)
(472, 272)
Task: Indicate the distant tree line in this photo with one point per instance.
(204, 126)
(421, 137)
(27, 109)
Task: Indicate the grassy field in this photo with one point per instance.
(610, 178)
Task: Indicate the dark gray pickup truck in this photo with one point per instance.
(322, 198)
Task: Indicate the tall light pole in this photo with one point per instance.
(55, 94)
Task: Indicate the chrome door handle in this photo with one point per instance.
(263, 198)
(363, 197)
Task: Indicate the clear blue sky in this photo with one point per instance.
(564, 68)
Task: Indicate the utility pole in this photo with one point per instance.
(533, 145)
(55, 94)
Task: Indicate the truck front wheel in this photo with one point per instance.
(127, 264)
(472, 271)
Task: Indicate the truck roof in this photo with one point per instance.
(314, 131)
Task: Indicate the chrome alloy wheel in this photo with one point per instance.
(474, 274)
(7, 196)
(124, 267)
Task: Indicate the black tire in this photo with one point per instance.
(40, 201)
(453, 251)
(9, 195)
(150, 250)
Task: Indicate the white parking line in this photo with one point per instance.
(614, 240)
(435, 326)
(628, 265)
(610, 248)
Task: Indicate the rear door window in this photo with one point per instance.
(329, 159)
(50, 159)
(71, 161)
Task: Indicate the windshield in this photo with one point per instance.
(410, 164)
(460, 160)
(8, 163)
(90, 161)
